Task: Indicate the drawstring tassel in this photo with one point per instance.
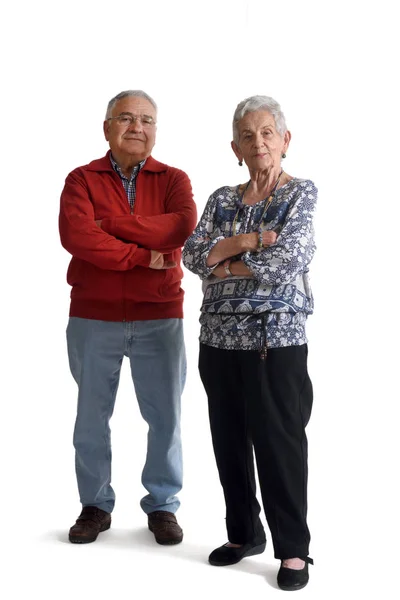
(263, 353)
(264, 345)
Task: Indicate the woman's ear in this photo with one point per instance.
(237, 151)
(286, 139)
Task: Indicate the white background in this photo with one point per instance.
(333, 66)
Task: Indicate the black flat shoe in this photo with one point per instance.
(294, 579)
(224, 555)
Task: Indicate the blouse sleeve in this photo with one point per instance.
(199, 245)
(294, 248)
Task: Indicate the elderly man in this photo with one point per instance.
(124, 219)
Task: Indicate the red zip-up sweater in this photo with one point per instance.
(109, 271)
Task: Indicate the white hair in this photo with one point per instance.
(253, 104)
(126, 94)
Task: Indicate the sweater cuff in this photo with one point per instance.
(143, 257)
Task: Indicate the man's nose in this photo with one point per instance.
(136, 125)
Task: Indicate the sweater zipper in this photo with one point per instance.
(124, 286)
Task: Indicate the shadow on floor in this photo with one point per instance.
(141, 539)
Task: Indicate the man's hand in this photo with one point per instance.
(158, 262)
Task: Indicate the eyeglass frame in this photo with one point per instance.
(133, 119)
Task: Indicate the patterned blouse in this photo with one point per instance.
(271, 306)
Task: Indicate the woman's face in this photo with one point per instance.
(260, 145)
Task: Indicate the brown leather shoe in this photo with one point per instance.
(89, 524)
(165, 527)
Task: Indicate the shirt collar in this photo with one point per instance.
(135, 170)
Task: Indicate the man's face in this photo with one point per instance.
(131, 139)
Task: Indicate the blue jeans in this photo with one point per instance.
(156, 352)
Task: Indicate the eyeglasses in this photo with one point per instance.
(127, 119)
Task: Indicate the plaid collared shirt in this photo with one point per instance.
(129, 184)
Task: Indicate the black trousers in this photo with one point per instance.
(265, 405)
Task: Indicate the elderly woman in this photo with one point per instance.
(252, 248)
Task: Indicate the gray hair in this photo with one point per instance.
(126, 94)
(253, 104)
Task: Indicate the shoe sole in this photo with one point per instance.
(166, 542)
(292, 589)
(80, 540)
(252, 552)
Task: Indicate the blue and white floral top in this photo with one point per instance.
(242, 313)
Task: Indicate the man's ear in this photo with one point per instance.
(106, 128)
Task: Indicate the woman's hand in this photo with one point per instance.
(220, 272)
(237, 268)
(244, 242)
(268, 238)
(249, 241)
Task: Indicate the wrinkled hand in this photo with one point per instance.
(158, 261)
(220, 272)
(249, 241)
(268, 238)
